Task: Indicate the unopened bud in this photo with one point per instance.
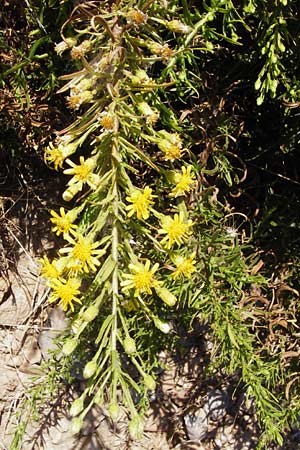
(149, 382)
(136, 427)
(90, 313)
(257, 84)
(114, 411)
(76, 425)
(69, 347)
(167, 297)
(210, 46)
(71, 191)
(76, 407)
(129, 346)
(178, 27)
(162, 326)
(89, 369)
(76, 325)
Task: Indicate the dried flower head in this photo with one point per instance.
(64, 45)
(137, 17)
(171, 145)
(81, 50)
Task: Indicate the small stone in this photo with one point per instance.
(216, 405)
(196, 425)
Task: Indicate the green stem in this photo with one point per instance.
(115, 256)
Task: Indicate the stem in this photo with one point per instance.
(115, 256)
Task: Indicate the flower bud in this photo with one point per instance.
(178, 27)
(149, 382)
(281, 46)
(76, 407)
(151, 115)
(90, 313)
(136, 427)
(71, 191)
(89, 369)
(69, 346)
(257, 84)
(167, 297)
(76, 325)
(114, 411)
(76, 425)
(210, 46)
(129, 346)
(162, 326)
(140, 77)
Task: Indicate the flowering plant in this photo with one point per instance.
(143, 245)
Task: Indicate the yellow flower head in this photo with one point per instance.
(76, 99)
(50, 270)
(66, 291)
(83, 172)
(137, 17)
(176, 230)
(141, 279)
(185, 267)
(171, 146)
(106, 121)
(184, 182)
(141, 202)
(83, 254)
(57, 155)
(63, 222)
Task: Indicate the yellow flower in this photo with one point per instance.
(106, 121)
(185, 267)
(66, 292)
(57, 155)
(183, 182)
(84, 253)
(171, 145)
(75, 100)
(83, 173)
(141, 279)
(50, 269)
(176, 230)
(141, 202)
(63, 222)
(137, 17)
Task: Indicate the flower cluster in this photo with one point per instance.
(124, 221)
